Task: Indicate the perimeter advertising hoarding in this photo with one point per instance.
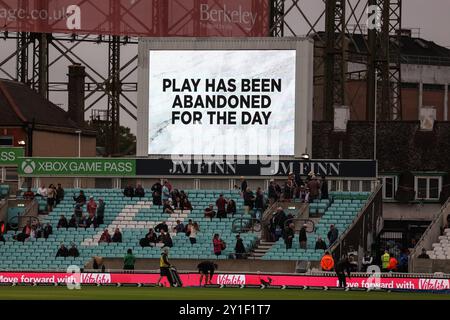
(122, 167)
(217, 97)
(149, 18)
(9, 156)
(193, 279)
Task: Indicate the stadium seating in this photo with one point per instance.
(4, 191)
(441, 249)
(340, 210)
(133, 217)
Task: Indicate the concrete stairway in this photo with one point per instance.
(261, 249)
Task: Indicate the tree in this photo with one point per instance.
(127, 140)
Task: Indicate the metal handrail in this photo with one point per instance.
(243, 227)
(311, 226)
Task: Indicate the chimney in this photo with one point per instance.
(76, 93)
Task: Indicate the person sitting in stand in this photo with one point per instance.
(25, 234)
(165, 239)
(105, 237)
(73, 251)
(162, 226)
(150, 239)
(231, 207)
(73, 222)
(129, 192)
(62, 222)
(28, 195)
(168, 208)
(83, 223)
(117, 236)
(80, 199)
(177, 204)
(186, 204)
(78, 211)
(139, 192)
(179, 227)
(48, 230)
(62, 251)
(320, 244)
(209, 212)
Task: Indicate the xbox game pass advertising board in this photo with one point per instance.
(248, 97)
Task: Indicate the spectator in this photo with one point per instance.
(73, 251)
(81, 199)
(62, 251)
(366, 261)
(193, 233)
(218, 245)
(289, 236)
(249, 200)
(156, 193)
(302, 237)
(209, 212)
(332, 235)
(149, 239)
(324, 188)
(179, 227)
(162, 226)
(168, 184)
(188, 227)
(48, 230)
(78, 211)
(424, 254)
(221, 204)
(231, 207)
(168, 208)
(186, 204)
(129, 260)
(320, 244)
(28, 195)
(277, 223)
(117, 236)
(100, 211)
(62, 222)
(59, 194)
(165, 191)
(174, 194)
(51, 197)
(289, 188)
(165, 239)
(304, 194)
(314, 187)
(177, 204)
(243, 185)
(139, 192)
(259, 203)
(272, 192)
(298, 182)
(128, 192)
(25, 234)
(105, 237)
(42, 191)
(393, 264)
(239, 248)
(73, 222)
(97, 263)
(91, 206)
(2, 230)
(83, 222)
(327, 262)
(2, 238)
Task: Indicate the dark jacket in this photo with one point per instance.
(160, 227)
(139, 192)
(117, 237)
(302, 234)
(73, 252)
(62, 252)
(321, 245)
(128, 192)
(249, 199)
(239, 248)
(244, 185)
(343, 266)
(62, 223)
(259, 201)
(333, 235)
(101, 209)
(272, 192)
(289, 234)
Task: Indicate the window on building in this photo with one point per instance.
(6, 141)
(389, 186)
(427, 188)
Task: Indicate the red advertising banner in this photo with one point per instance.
(151, 18)
(192, 279)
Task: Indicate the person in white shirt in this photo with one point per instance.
(42, 191)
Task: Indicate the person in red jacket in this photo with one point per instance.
(105, 237)
(393, 263)
(218, 244)
(221, 204)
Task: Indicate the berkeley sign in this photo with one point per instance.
(120, 167)
(77, 167)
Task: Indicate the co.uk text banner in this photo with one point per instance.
(149, 18)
